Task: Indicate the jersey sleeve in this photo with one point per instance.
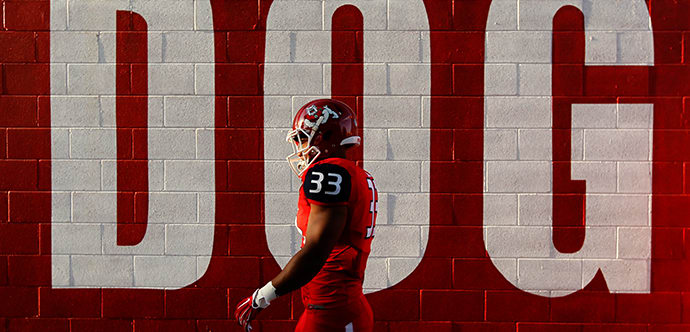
(327, 184)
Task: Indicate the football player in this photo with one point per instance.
(336, 217)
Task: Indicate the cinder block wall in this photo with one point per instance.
(530, 158)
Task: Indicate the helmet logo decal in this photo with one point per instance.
(326, 113)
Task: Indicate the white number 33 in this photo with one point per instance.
(335, 184)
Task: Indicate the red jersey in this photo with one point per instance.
(336, 181)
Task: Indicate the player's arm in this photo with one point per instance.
(326, 224)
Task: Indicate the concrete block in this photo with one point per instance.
(618, 210)
(376, 144)
(409, 79)
(71, 175)
(61, 203)
(501, 144)
(518, 241)
(93, 144)
(518, 112)
(396, 241)
(164, 271)
(504, 209)
(60, 267)
(519, 177)
(275, 146)
(406, 209)
(396, 176)
(74, 111)
(312, 46)
(172, 208)
(407, 15)
(376, 273)
(189, 46)
(193, 175)
(503, 78)
(617, 16)
(59, 148)
(109, 175)
(600, 176)
(565, 274)
(534, 79)
(635, 116)
(171, 79)
(280, 79)
(91, 79)
(393, 46)
(180, 143)
(176, 15)
(634, 242)
(153, 242)
(58, 79)
(189, 111)
(204, 76)
(535, 144)
(277, 176)
(74, 47)
(392, 112)
(602, 48)
(72, 239)
(281, 208)
(503, 16)
(376, 79)
(295, 15)
(538, 14)
(281, 116)
(94, 207)
(635, 177)
(594, 116)
(187, 239)
(279, 45)
(375, 13)
(90, 15)
(408, 144)
(622, 145)
(518, 47)
(535, 210)
(622, 276)
(102, 271)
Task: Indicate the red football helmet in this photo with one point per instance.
(320, 129)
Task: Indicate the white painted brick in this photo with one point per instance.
(206, 208)
(384, 210)
(94, 207)
(577, 144)
(275, 146)
(194, 175)
(620, 210)
(282, 77)
(408, 144)
(376, 273)
(533, 241)
(375, 79)
(59, 143)
(406, 15)
(154, 271)
(76, 239)
(182, 143)
(594, 115)
(89, 175)
(312, 46)
(519, 177)
(500, 145)
(549, 274)
(295, 15)
(620, 272)
(508, 268)
(405, 79)
(278, 46)
(633, 46)
(74, 111)
(93, 143)
(282, 240)
(83, 47)
(504, 209)
(634, 178)
(175, 15)
(90, 15)
(617, 16)
(202, 264)
(534, 79)
(189, 46)
(152, 244)
(538, 14)
(503, 16)
(633, 242)
(60, 270)
(395, 176)
(602, 47)
(399, 268)
(277, 176)
(161, 205)
(109, 175)
(635, 116)
(91, 79)
(58, 16)
(391, 112)
(58, 79)
(185, 239)
(392, 46)
(406, 209)
(189, 111)
(600, 176)
(514, 112)
(203, 76)
(102, 271)
(282, 118)
(171, 79)
(426, 176)
(628, 145)
(504, 79)
(396, 241)
(535, 210)
(376, 144)
(520, 47)
(534, 144)
(281, 208)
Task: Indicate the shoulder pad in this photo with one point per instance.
(327, 184)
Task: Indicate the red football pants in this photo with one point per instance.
(356, 317)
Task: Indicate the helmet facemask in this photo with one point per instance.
(303, 155)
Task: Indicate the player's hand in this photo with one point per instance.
(246, 311)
